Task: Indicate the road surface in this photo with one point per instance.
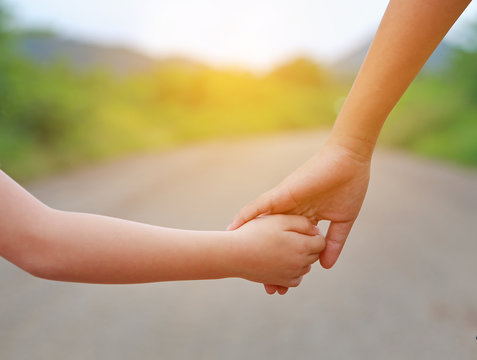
(405, 286)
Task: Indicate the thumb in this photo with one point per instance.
(260, 206)
(335, 240)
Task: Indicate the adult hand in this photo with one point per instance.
(330, 186)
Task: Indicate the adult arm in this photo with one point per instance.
(332, 185)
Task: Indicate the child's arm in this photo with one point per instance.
(67, 246)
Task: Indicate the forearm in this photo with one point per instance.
(408, 34)
(96, 249)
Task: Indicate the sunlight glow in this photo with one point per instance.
(257, 34)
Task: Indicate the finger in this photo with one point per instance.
(316, 244)
(258, 207)
(295, 282)
(305, 270)
(335, 240)
(270, 289)
(312, 258)
(282, 290)
(307, 244)
(300, 224)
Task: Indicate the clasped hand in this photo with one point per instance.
(330, 186)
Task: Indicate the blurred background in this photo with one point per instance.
(88, 81)
(157, 111)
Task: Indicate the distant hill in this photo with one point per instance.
(349, 64)
(46, 48)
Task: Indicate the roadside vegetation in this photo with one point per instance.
(53, 117)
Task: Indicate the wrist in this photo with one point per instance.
(237, 254)
(207, 254)
(356, 147)
(230, 255)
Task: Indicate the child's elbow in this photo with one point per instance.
(37, 256)
(39, 266)
(39, 262)
(29, 265)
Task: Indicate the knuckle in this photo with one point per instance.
(300, 222)
(303, 246)
(281, 220)
(307, 223)
(248, 210)
(294, 282)
(306, 270)
(320, 243)
(271, 203)
(299, 263)
(265, 201)
(315, 258)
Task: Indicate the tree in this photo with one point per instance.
(301, 71)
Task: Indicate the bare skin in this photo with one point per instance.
(66, 246)
(332, 185)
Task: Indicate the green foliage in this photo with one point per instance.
(301, 71)
(4, 34)
(52, 117)
(464, 73)
(437, 117)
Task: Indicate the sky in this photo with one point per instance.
(253, 33)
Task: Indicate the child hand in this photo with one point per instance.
(277, 249)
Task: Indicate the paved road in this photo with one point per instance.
(405, 287)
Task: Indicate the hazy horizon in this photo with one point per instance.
(224, 33)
